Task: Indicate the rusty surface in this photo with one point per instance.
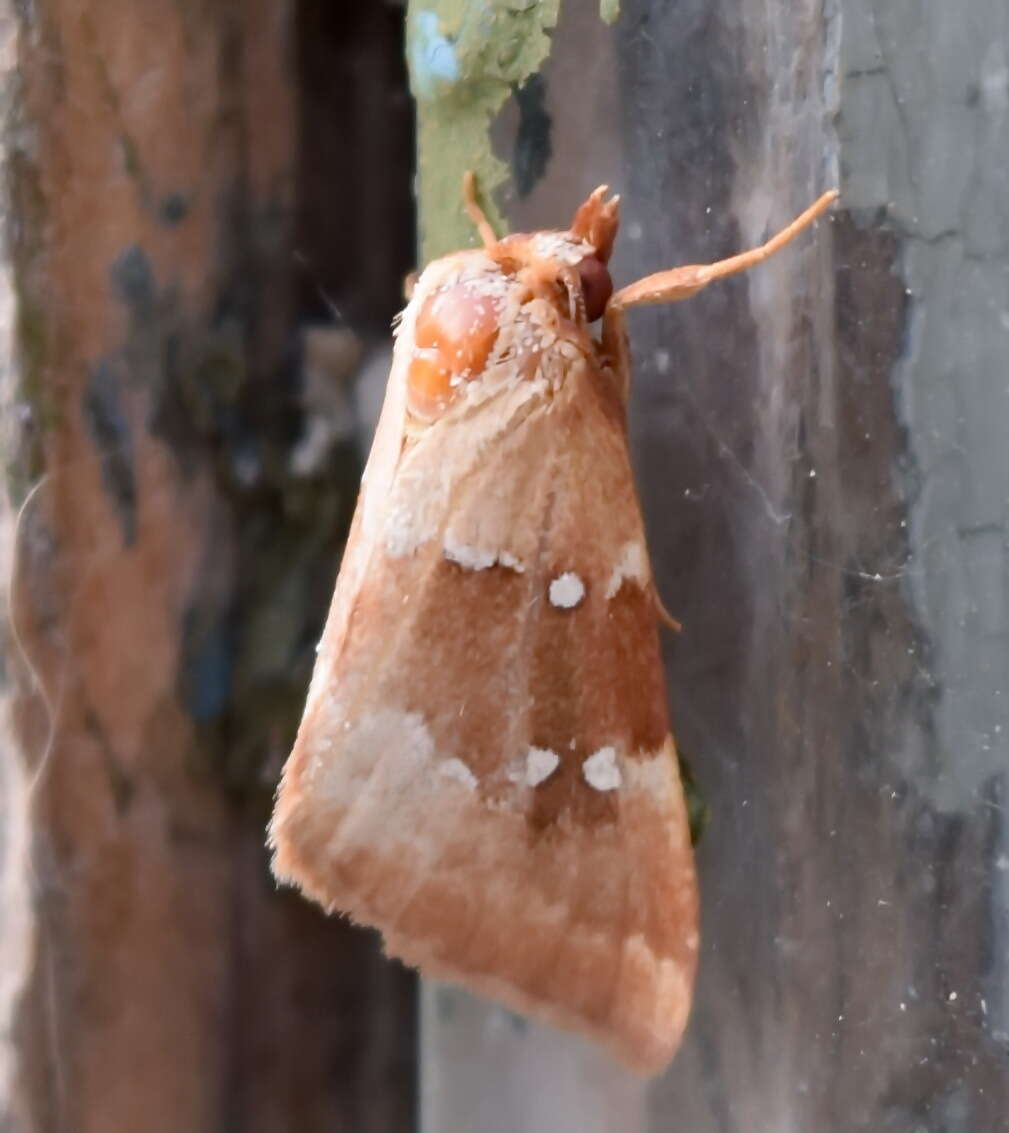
(172, 572)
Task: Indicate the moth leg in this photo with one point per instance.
(664, 615)
(683, 282)
(615, 349)
(476, 213)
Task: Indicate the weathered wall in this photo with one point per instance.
(819, 455)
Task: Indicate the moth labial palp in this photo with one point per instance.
(484, 770)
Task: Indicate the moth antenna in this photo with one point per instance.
(596, 221)
(683, 282)
(664, 615)
(476, 213)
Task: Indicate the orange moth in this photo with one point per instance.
(484, 770)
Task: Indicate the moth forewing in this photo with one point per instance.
(484, 770)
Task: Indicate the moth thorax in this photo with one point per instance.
(454, 334)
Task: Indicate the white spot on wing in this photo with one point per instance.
(601, 770)
(478, 558)
(541, 763)
(403, 533)
(508, 560)
(458, 771)
(469, 558)
(632, 566)
(566, 591)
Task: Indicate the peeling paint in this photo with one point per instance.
(244, 657)
(433, 59)
(207, 661)
(466, 58)
(36, 406)
(133, 280)
(110, 431)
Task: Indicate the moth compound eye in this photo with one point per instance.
(461, 325)
(453, 336)
(428, 384)
(597, 287)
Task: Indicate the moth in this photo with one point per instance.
(484, 771)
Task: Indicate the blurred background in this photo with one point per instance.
(209, 211)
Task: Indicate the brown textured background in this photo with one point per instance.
(190, 185)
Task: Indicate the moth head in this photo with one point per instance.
(575, 259)
(476, 310)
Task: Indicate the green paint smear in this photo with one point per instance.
(465, 57)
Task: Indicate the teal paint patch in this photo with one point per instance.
(433, 59)
(109, 430)
(132, 279)
(173, 210)
(206, 661)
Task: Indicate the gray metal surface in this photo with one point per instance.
(823, 460)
